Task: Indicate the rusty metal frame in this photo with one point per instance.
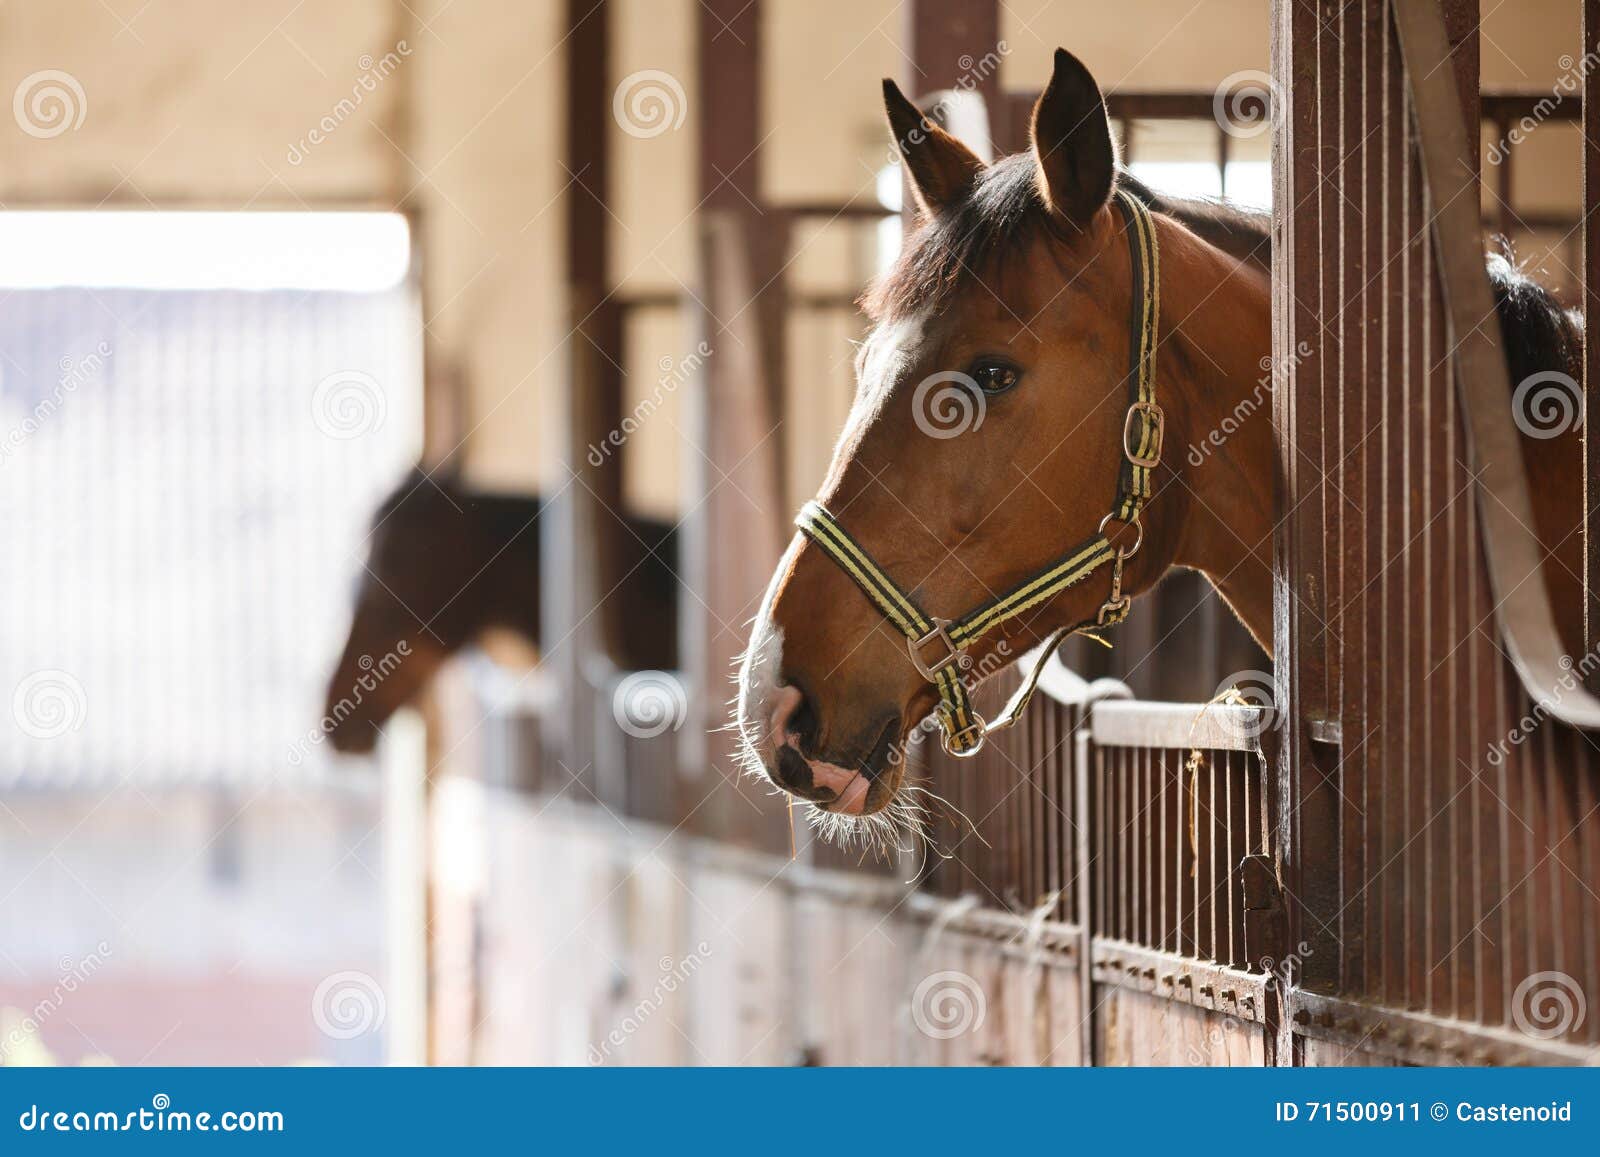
(1184, 979)
(1421, 1038)
(1178, 726)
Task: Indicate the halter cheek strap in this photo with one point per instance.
(938, 647)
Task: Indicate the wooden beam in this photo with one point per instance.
(579, 526)
(948, 40)
(738, 515)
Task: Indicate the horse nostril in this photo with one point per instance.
(793, 772)
(803, 725)
(793, 718)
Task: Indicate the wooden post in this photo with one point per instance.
(948, 38)
(738, 518)
(578, 525)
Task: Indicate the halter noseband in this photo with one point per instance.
(938, 647)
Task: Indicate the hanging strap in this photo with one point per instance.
(938, 647)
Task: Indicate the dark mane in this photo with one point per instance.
(1005, 212)
(1237, 230)
(1002, 214)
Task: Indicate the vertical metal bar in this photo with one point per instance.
(1166, 941)
(1304, 164)
(1209, 832)
(1224, 140)
(1124, 844)
(1229, 860)
(1086, 778)
(1193, 838)
(1142, 829)
(1591, 347)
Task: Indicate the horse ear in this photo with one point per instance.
(1072, 142)
(941, 168)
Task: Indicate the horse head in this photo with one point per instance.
(991, 436)
(442, 564)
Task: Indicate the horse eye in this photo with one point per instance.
(995, 377)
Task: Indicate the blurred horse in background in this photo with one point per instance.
(448, 564)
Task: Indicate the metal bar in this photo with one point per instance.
(1212, 726)
(1591, 347)
(1086, 779)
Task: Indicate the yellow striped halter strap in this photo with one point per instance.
(938, 647)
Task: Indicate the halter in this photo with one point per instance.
(938, 647)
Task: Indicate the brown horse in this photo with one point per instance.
(448, 563)
(1020, 280)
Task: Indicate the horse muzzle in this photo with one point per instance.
(836, 782)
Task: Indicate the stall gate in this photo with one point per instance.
(1437, 842)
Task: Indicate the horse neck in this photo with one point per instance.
(1217, 344)
(508, 553)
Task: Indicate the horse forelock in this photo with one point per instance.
(1001, 215)
(1005, 212)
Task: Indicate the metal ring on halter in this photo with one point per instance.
(1133, 522)
(978, 726)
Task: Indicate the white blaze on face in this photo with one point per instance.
(885, 358)
(763, 659)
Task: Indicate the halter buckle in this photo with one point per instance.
(977, 729)
(1152, 417)
(953, 655)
